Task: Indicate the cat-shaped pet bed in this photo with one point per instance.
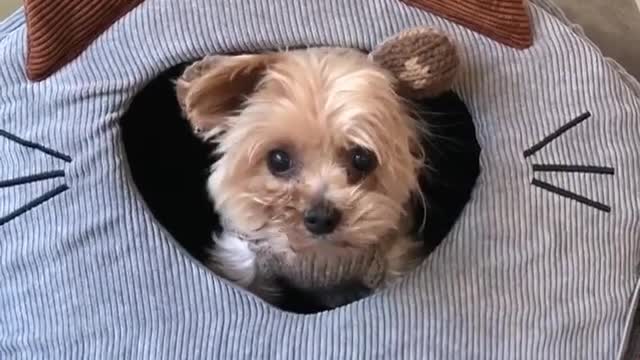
(541, 263)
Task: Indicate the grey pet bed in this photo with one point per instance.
(529, 271)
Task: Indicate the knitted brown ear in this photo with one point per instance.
(424, 61)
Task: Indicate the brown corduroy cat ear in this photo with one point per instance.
(59, 30)
(506, 21)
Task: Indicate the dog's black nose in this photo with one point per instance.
(322, 218)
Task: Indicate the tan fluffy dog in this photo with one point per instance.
(317, 155)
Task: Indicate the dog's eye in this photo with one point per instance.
(279, 162)
(363, 160)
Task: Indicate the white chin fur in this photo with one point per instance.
(233, 259)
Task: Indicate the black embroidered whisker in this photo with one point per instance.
(32, 178)
(574, 169)
(33, 145)
(33, 203)
(549, 138)
(570, 195)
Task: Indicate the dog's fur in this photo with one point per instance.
(318, 104)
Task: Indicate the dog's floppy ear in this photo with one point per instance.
(212, 88)
(424, 61)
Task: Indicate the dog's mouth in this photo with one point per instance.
(302, 241)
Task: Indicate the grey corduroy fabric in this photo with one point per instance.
(525, 274)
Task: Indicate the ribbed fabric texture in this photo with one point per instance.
(506, 21)
(60, 30)
(525, 274)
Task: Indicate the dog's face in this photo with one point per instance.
(316, 146)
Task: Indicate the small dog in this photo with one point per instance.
(317, 153)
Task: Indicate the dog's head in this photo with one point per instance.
(316, 145)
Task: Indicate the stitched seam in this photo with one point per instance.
(548, 139)
(567, 168)
(570, 195)
(36, 146)
(587, 169)
(33, 203)
(32, 178)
